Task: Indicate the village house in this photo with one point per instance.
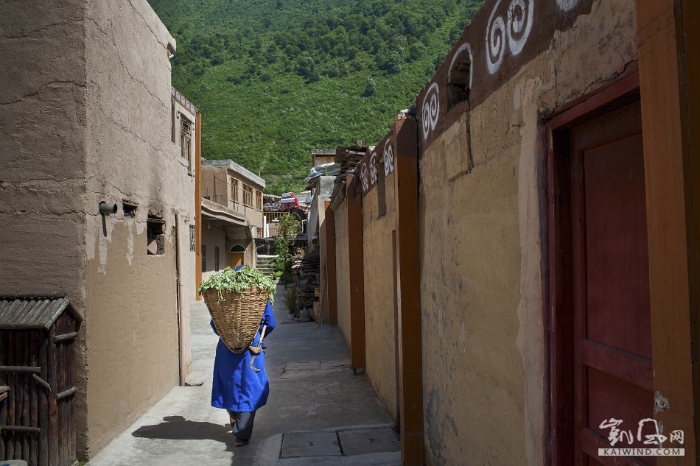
(98, 198)
(512, 265)
(232, 215)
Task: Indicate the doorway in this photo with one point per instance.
(601, 371)
(237, 256)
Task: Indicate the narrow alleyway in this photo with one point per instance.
(318, 411)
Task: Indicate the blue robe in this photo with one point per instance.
(236, 386)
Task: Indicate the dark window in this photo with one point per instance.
(192, 238)
(459, 78)
(129, 210)
(216, 259)
(204, 258)
(155, 236)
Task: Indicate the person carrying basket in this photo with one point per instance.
(240, 383)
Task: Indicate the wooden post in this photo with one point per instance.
(664, 30)
(198, 202)
(688, 20)
(408, 292)
(331, 273)
(357, 280)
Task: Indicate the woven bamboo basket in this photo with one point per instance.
(236, 316)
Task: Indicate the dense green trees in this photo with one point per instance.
(277, 78)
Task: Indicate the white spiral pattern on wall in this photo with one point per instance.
(520, 15)
(430, 112)
(495, 40)
(514, 34)
(364, 177)
(388, 159)
(373, 168)
(566, 5)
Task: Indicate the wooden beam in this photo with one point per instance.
(357, 280)
(667, 209)
(408, 292)
(332, 275)
(688, 25)
(198, 203)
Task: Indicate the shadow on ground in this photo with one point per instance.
(179, 428)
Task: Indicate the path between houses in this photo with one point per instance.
(318, 412)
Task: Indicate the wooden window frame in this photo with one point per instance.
(247, 195)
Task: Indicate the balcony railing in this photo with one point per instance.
(271, 216)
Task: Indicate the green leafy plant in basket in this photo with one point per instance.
(230, 280)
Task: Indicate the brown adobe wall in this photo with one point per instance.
(342, 252)
(481, 213)
(481, 197)
(44, 133)
(380, 283)
(131, 314)
(42, 186)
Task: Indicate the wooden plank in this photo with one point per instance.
(198, 202)
(4, 351)
(53, 404)
(32, 430)
(66, 393)
(331, 265)
(26, 350)
(688, 20)
(408, 291)
(19, 391)
(357, 281)
(34, 401)
(667, 193)
(625, 366)
(44, 405)
(64, 337)
(33, 369)
(41, 382)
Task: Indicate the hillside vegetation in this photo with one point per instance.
(277, 78)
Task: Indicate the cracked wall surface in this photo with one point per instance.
(132, 310)
(86, 118)
(484, 355)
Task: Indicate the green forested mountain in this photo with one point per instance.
(277, 78)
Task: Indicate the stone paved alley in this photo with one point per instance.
(318, 411)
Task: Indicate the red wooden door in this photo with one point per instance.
(612, 329)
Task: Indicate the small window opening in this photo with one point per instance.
(459, 80)
(216, 258)
(192, 238)
(155, 236)
(204, 258)
(129, 209)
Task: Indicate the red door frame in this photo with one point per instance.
(559, 305)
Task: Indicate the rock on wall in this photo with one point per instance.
(380, 303)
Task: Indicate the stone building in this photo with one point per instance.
(232, 215)
(97, 196)
(513, 263)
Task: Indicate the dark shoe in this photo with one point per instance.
(240, 442)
